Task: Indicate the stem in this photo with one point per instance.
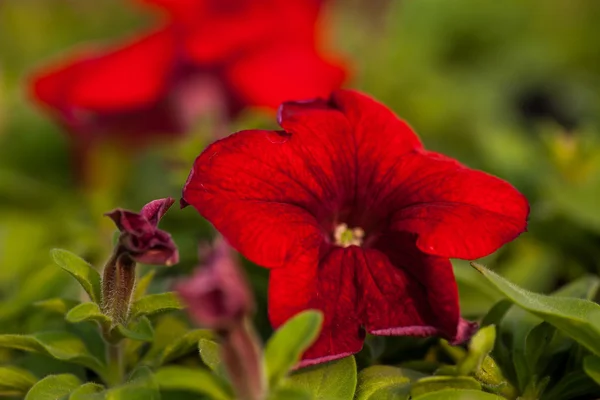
(116, 367)
(242, 357)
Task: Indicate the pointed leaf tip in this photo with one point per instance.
(85, 274)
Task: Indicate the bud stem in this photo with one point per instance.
(117, 285)
(114, 358)
(242, 357)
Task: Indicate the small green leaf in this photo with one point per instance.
(57, 344)
(382, 382)
(85, 274)
(577, 318)
(83, 391)
(15, 381)
(57, 305)
(458, 394)
(335, 380)
(495, 315)
(285, 347)
(210, 352)
(193, 380)
(142, 285)
(156, 303)
(137, 330)
(53, 387)
(436, 383)
(286, 393)
(480, 346)
(184, 345)
(89, 312)
(591, 366)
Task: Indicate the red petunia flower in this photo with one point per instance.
(211, 57)
(354, 218)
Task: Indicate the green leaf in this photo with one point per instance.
(458, 394)
(89, 312)
(156, 303)
(15, 381)
(57, 344)
(141, 385)
(83, 391)
(577, 318)
(172, 340)
(382, 382)
(573, 385)
(193, 380)
(142, 285)
(495, 315)
(286, 393)
(85, 274)
(591, 366)
(57, 305)
(210, 352)
(480, 346)
(436, 383)
(285, 347)
(184, 345)
(53, 387)
(335, 380)
(137, 330)
(584, 287)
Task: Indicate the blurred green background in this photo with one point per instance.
(511, 87)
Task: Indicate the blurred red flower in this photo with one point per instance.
(355, 218)
(211, 56)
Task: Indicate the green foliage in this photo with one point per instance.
(210, 352)
(57, 344)
(53, 387)
(89, 312)
(457, 394)
(288, 343)
(193, 380)
(580, 319)
(154, 304)
(86, 275)
(15, 381)
(335, 380)
(591, 365)
(57, 305)
(437, 383)
(382, 382)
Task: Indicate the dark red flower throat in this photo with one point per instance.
(355, 218)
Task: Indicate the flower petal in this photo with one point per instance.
(410, 292)
(381, 139)
(455, 211)
(129, 76)
(329, 286)
(271, 193)
(156, 209)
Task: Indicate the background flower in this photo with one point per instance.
(207, 58)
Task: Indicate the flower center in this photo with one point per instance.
(345, 236)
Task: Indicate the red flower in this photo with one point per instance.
(355, 218)
(213, 56)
